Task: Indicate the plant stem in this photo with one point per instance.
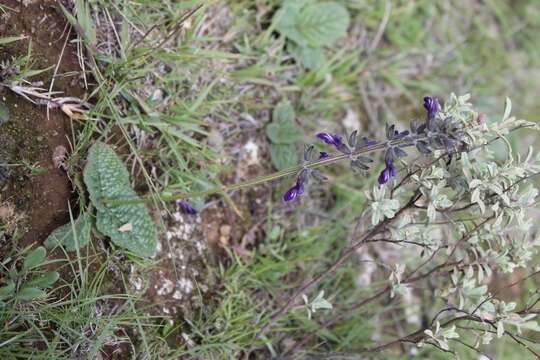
(252, 182)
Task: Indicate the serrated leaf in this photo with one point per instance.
(310, 57)
(283, 156)
(71, 235)
(315, 25)
(29, 293)
(4, 113)
(283, 132)
(106, 177)
(44, 280)
(34, 258)
(295, 4)
(283, 112)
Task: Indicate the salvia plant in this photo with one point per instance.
(463, 209)
(446, 191)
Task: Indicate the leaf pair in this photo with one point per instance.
(283, 134)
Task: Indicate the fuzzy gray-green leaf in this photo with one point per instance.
(7, 291)
(283, 155)
(316, 24)
(44, 280)
(29, 293)
(283, 112)
(283, 132)
(129, 226)
(34, 258)
(310, 57)
(71, 236)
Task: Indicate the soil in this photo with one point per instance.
(240, 227)
(40, 192)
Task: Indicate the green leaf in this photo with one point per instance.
(295, 4)
(10, 39)
(71, 235)
(283, 112)
(530, 325)
(315, 25)
(29, 293)
(310, 57)
(283, 155)
(7, 290)
(129, 226)
(34, 258)
(44, 280)
(4, 113)
(283, 132)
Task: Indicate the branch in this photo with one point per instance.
(346, 253)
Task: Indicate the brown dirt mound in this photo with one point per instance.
(30, 137)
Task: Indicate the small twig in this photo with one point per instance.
(347, 313)
(292, 299)
(472, 348)
(343, 256)
(398, 242)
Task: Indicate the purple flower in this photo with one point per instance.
(388, 172)
(384, 176)
(295, 191)
(323, 155)
(186, 207)
(392, 169)
(291, 194)
(330, 139)
(432, 106)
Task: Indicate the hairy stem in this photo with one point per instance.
(256, 181)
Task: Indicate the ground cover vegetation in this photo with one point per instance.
(259, 179)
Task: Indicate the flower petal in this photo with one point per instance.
(392, 170)
(326, 137)
(384, 176)
(186, 207)
(291, 194)
(330, 139)
(432, 106)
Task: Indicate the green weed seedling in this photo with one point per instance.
(25, 282)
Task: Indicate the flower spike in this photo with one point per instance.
(432, 107)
